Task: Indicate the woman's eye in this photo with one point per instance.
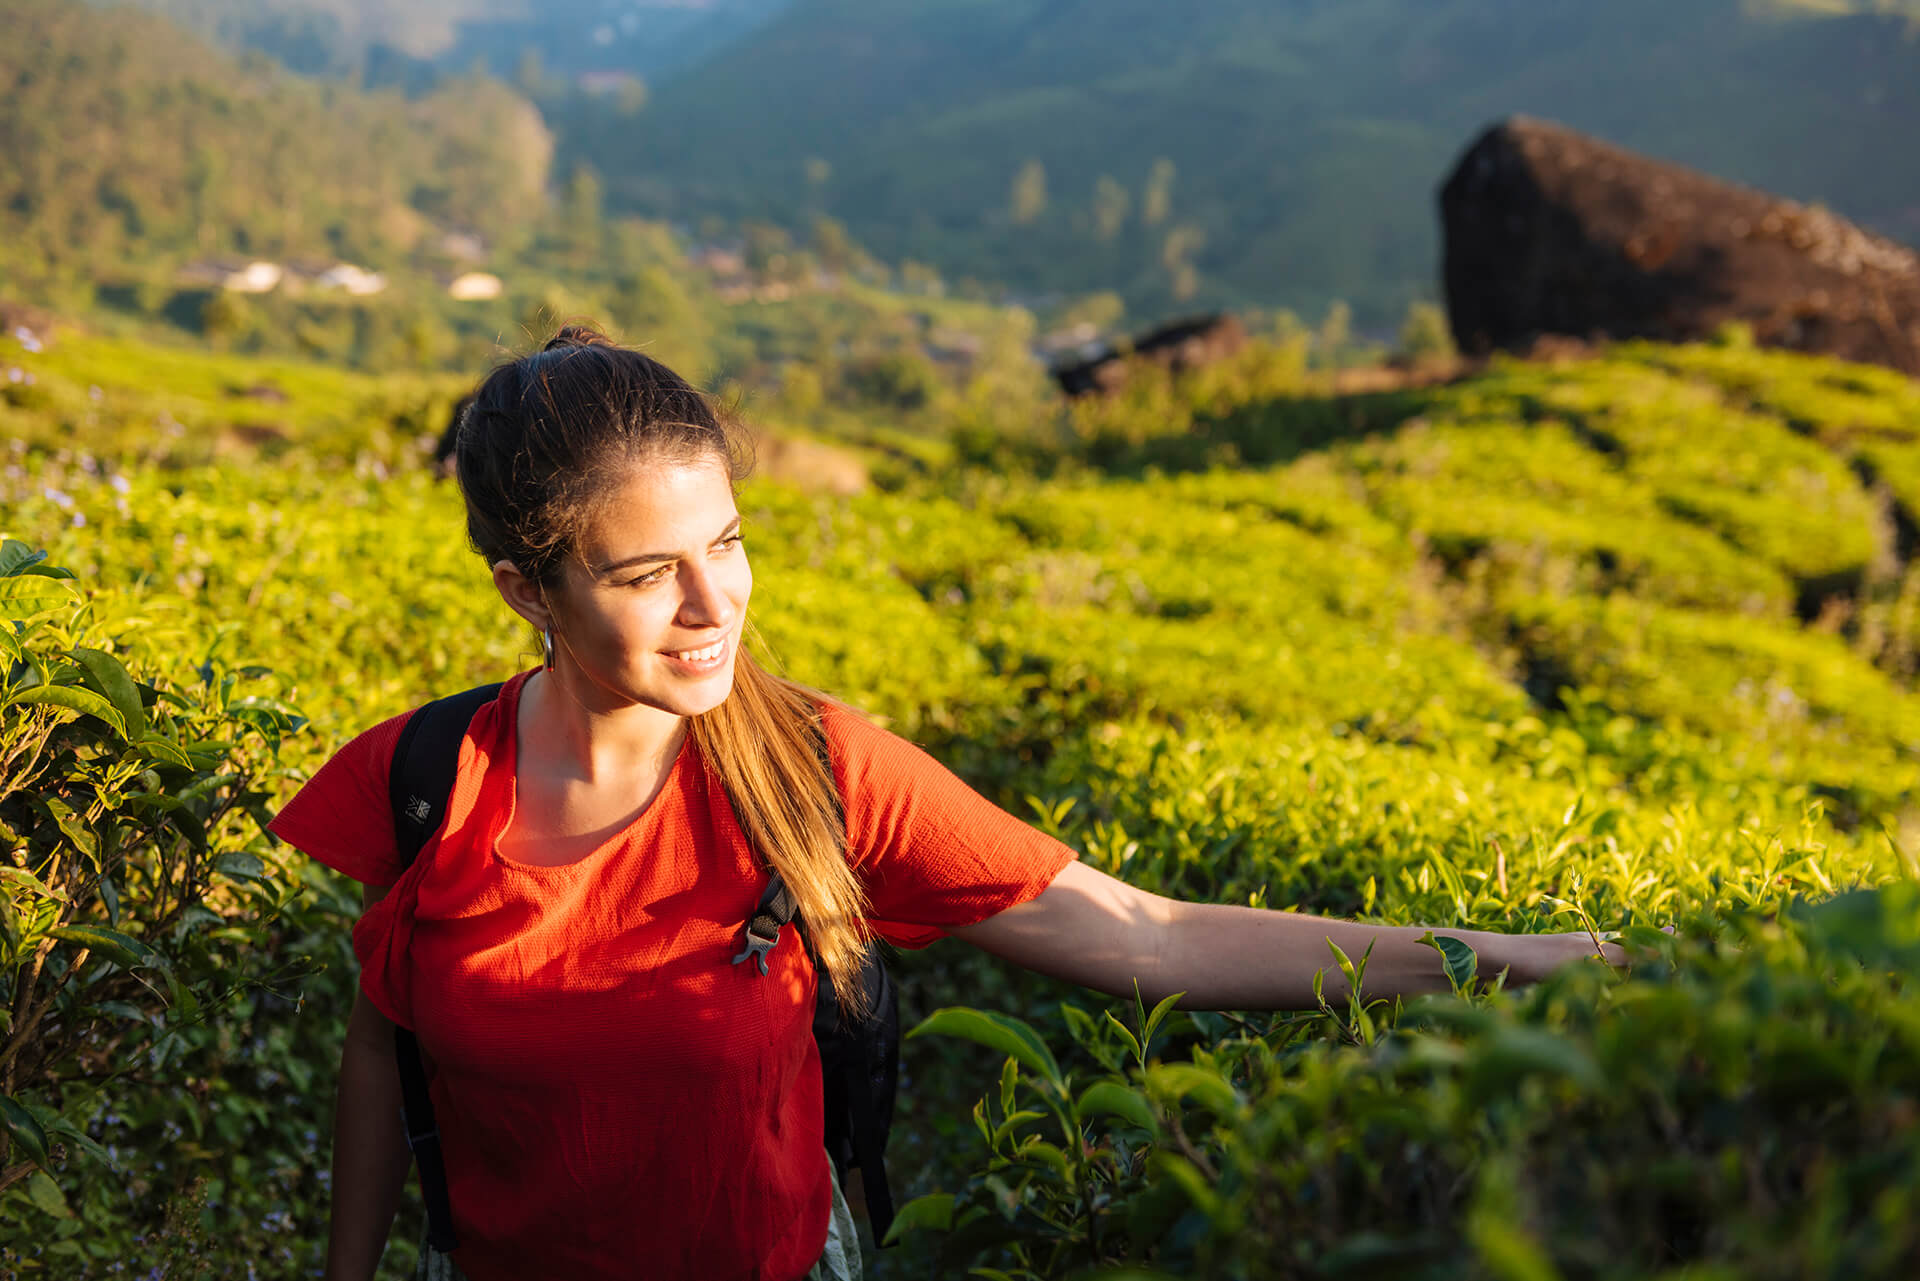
(651, 576)
(728, 543)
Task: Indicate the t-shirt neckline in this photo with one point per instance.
(503, 774)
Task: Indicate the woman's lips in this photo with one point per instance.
(702, 660)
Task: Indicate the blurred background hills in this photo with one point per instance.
(667, 163)
(1236, 152)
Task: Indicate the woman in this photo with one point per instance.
(614, 1098)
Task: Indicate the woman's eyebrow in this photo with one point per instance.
(643, 558)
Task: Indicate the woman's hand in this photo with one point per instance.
(1531, 957)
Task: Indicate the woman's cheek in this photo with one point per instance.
(746, 581)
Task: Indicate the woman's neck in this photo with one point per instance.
(571, 730)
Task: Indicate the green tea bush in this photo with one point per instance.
(1496, 824)
(1556, 517)
(127, 402)
(143, 972)
(1794, 703)
(1741, 1106)
(1466, 654)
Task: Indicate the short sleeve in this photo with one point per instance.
(341, 817)
(931, 853)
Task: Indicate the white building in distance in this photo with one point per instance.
(475, 286)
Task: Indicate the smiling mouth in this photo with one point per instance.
(705, 657)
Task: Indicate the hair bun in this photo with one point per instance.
(577, 336)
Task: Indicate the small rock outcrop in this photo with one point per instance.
(1179, 346)
(1551, 232)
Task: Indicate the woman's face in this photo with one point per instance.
(655, 597)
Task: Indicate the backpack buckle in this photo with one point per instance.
(757, 948)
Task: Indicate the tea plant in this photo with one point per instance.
(140, 911)
(1544, 648)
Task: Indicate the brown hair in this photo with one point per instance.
(546, 438)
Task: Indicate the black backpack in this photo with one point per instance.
(859, 1059)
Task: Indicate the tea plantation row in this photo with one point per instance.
(1627, 642)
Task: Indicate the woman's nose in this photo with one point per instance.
(703, 601)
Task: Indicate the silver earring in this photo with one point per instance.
(546, 645)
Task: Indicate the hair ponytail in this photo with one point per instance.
(764, 744)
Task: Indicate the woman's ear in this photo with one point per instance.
(522, 594)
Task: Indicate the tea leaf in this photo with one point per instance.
(29, 595)
(120, 948)
(1185, 1080)
(930, 1213)
(1458, 958)
(110, 679)
(71, 697)
(1000, 1032)
(47, 1197)
(25, 1130)
(1113, 1099)
(16, 556)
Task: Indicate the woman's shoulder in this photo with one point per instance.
(343, 815)
(870, 758)
(854, 736)
(373, 749)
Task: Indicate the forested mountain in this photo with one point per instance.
(1280, 151)
(1236, 152)
(124, 138)
(411, 41)
(331, 35)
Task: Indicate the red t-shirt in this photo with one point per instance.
(614, 1097)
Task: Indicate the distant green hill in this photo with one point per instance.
(124, 139)
(1305, 138)
(316, 35)
(413, 40)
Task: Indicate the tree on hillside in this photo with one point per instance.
(919, 278)
(1334, 343)
(1111, 204)
(1176, 255)
(1424, 335)
(768, 248)
(1103, 310)
(1156, 202)
(1029, 197)
(653, 310)
(831, 244)
(581, 227)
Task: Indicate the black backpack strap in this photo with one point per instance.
(423, 1137)
(424, 760)
(871, 1072)
(418, 784)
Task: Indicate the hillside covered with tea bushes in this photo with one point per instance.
(1245, 152)
(1622, 642)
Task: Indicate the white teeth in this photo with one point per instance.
(701, 655)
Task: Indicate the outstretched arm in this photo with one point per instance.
(1102, 933)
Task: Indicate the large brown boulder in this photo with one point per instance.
(1551, 232)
